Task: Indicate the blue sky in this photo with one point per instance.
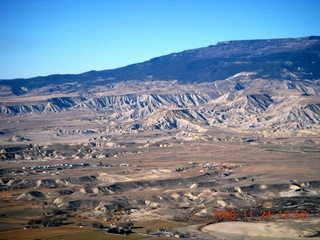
(43, 37)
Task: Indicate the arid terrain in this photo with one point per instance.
(221, 142)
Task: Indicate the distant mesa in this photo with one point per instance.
(268, 58)
(270, 84)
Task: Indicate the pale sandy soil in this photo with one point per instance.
(280, 229)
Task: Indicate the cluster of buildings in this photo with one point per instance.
(61, 166)
(58, 166)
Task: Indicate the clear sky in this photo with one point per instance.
(43, 37)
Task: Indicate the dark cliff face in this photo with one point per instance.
(281, 59)
(268, 58)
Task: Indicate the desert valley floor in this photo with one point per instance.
(186, 182)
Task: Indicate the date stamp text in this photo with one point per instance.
(262, 215)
